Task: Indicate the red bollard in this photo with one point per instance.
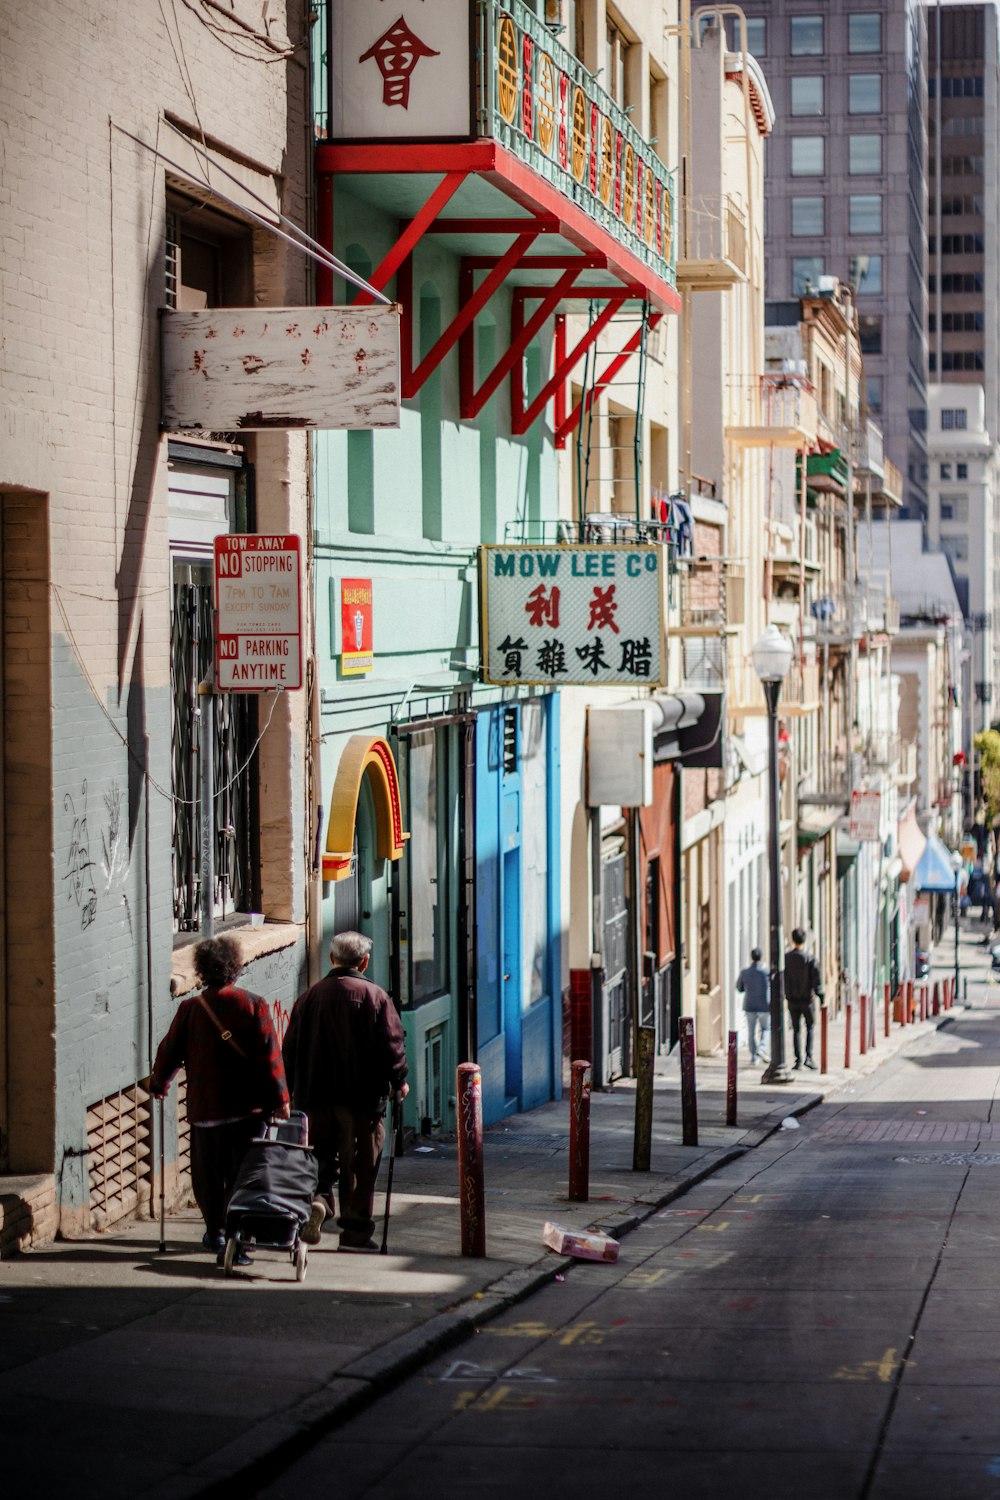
(579, 1132)
(731, 1050)
(471, 1182)
(925, 1003)
(848, 1011)
(887, 1022)
(689, 1096)
(936, 1001)
(862, 1024)
(824, 1037)
(911, 1004)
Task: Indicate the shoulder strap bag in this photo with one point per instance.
(227, 1036)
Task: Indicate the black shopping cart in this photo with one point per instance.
(274, 1193)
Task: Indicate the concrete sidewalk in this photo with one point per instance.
(165, 1379)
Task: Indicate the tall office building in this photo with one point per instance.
(964, 208)
(847, 188)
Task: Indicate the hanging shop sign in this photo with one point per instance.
(401, 75)
(356, 626)
(232, 369)
(572, 615)
(258, 603)
(866, 810)
(920, 911)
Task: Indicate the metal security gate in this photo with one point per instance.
(616, 987)
(235, 715)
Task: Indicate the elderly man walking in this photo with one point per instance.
(344, 1057)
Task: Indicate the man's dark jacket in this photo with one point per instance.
(802, 976)
(344, 1044)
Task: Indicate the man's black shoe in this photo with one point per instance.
(810, 1064)
(796, 1063)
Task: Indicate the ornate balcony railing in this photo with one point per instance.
(542, 104)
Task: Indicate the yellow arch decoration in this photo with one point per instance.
(363, 756)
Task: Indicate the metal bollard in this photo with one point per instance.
(689, 1096)
(911, 1004)
(936, 1001)
(579, 1132)
(848, 1009)
(471, 1183)
(824, 1037)
(887, 1003)
(862, 1025)
(925, 1004)
(731, 1051)
(643, 1143)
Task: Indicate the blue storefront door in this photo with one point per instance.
(518, 1018)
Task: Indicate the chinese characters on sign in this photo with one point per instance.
(401, 72)
(397, 53)
(356, 627)
(258, 641)
(556, 615)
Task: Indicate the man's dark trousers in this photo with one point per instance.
(349, 1142)
(802, 1011)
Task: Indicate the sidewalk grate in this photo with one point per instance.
(875, 1131)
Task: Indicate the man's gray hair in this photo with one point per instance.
(349, 950)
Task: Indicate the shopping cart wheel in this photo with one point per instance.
(301, 1260)
(229, 1259)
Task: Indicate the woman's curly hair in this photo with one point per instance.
(217, 961)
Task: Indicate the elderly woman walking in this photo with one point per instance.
(224, 1038)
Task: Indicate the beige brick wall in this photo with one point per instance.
(82, 228)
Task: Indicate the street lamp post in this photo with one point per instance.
(772, 657)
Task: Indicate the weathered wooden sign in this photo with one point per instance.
(231, 369)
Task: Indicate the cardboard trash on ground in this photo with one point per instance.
(583, 1245)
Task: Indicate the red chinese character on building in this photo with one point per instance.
(397, 53)
(542, 607)
(603, 605)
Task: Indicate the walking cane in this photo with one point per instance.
(388, 1186)
(163, 1194)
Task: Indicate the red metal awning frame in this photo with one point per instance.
(549, 212)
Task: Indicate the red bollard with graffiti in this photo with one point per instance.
(579, 1132)
(471, 1181)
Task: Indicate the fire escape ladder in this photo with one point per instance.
(587, 418)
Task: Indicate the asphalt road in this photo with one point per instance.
(819, 1319)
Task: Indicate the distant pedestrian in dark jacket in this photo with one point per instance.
(225, 1040)
(980, 893)
(344, 1055)
(754, 984)
(802, 981)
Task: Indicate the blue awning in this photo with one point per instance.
(934, 871)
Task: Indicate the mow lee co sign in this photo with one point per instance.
(258, 603)
(573, 615)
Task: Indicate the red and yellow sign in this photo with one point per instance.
(356, 628)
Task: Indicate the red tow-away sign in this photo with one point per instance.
(258, 602)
